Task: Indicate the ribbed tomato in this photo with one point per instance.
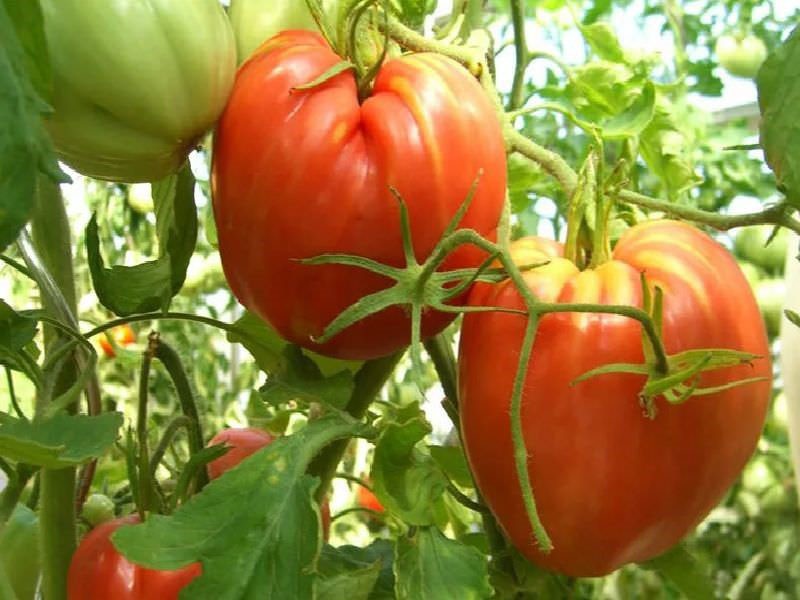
(612, 486)
(298, 173)
(99, 572)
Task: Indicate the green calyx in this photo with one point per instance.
(676, 377)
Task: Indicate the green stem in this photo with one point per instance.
(56, 530)
(444, 361)
(515, 99)
(49, 259)
(172, 363)
(12, 396)
(646, 321)
(368, 383)
(778, 214)
(551, 162)
(177, 423)
(145, 480)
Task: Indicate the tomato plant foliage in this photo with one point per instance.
(425, 300)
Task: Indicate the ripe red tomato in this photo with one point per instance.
(300, 173)
(99, 572)
(611, 485)
(243, 442)
(123, 335)
(367, 499)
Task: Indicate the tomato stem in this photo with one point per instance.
(172, 363)
(48, 257)
(369, 381)
(145, 481)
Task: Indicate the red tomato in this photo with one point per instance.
(99, 572)
(611, 485)
(301, 173)
(123, 335)
(242, 441)
(367, 499)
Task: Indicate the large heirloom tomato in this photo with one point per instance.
(99, 572)
(297, 173)
(136, 84)
(611, 485)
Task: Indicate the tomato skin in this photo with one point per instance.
(367, 499)
(243, 442)
(123, 335)
(611, 485)
(135, 84)
(99, 572)
(301, 173)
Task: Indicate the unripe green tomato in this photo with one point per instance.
(135, 84)
(98, 509)
(254, 21)
(740, 56)
(19, 552)
(140, 198)
(750, 245)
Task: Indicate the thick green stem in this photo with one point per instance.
(49, 258)
(172, 363)
(368, 383)
(56, 530)
(521, 55)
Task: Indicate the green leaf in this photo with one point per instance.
(334, 563)
(664, 149)
(405, 479)
(633, 120)
(267, 347)
(303, 382)
(778, 97)
(603, 88)
(413, 12)
(255, 529)
(793, 317)
(149, 286)
(429, 565)
(29, 26)
(685, 572)
(16, 330)
(60, 441)
(603, 41)
(25, 147)
(452, 461)
(522, 176)
(176, 221)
